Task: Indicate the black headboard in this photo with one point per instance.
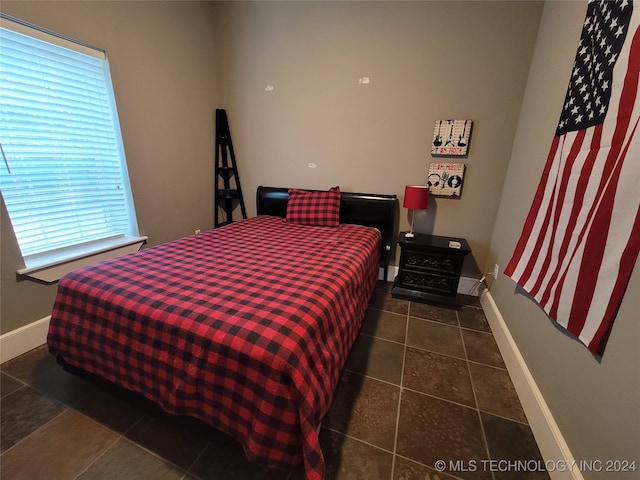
(371, 210)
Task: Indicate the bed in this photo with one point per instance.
(246, 327)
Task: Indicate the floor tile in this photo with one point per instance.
(376, 358)
(386, 325)
(434, 313)
(110, 410)
(125, 460)
(512, 441)
(366, 409)
(9, 384)
(40, 369)
(482, 348)
(435, 337)
(179, 440)
(349, 459)
(473, 318)
(469, 300)
(23, 412)
(62, 385)
(224, 458)
(495, 392)
(381, 299)
(28, 366)
(431, 429)
(439, 375)
(405, 469)
(63, 448)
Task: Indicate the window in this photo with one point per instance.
(63, 171)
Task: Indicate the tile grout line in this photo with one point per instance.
(370, 377)
(379, 338)
(346, 435)
(475, 398)
(123, 436)
(446, 400)
(409, 389)
(12, 377)
(509, 419)
(106, 450)
(404, 356)
(195, 461)
(37, 429)
(120, 436)
(439, 322)
(422, 349)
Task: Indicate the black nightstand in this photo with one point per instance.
(430, 268)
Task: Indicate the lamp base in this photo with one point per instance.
(409, 235)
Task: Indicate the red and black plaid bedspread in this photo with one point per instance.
(246, 327)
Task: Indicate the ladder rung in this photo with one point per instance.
(226, 172)
(229, 193)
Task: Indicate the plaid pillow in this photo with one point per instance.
(314, 208)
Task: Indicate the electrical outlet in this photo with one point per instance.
(496, 269)
(197, 231)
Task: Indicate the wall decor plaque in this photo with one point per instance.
(451, 137)
(445, 179)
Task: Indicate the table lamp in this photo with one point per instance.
(415, 198)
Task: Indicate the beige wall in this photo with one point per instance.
(162, 60)
(425, 60)
(595, 403)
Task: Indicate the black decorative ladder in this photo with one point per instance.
(226, 197)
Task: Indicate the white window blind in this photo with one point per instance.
(63, 171)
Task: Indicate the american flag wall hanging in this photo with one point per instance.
(581, 238)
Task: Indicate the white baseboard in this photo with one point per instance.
(21, 340)
(551, 442)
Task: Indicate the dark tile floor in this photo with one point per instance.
(423, 385)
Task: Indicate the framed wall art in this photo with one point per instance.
(451, 137)
(445, 179)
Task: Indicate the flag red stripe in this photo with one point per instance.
(533, 212)
(629, 258)
(526, 274)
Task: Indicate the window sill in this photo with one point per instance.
(52, 267)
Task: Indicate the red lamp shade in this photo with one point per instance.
(415, 197)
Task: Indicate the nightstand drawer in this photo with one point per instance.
(443, 265)
(427, 282)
